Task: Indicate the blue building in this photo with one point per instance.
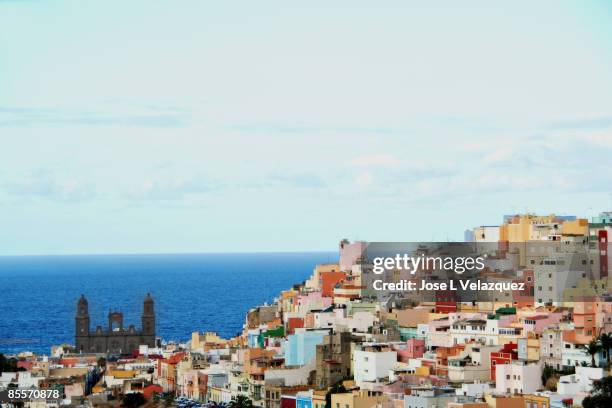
(303, 399)
(301, 347)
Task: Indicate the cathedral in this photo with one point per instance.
(116, 339)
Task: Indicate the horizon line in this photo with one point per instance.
(163, 253)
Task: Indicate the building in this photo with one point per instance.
(350, 253)
(116, 339)
(300, 348)
(373, 362)
(429, 398)
(581, 382)
(357, 399)
(518, 378)
(333, 359)
(551, 345)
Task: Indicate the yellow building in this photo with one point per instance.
(530, 227)
(467, 405)
(206, 341)
(536, 401)
(357, 399)
(318, 398)
(288, 301)
(533, 348)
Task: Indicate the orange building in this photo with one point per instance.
(585, 320)
(329, 280)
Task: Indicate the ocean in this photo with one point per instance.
(203, 292)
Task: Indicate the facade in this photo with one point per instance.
(518, 378)
(116, 339)
(300, 348)
(373, 362)
(551, 345)
(333, 359)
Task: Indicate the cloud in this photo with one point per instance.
(296, 180)
(31, 117)
(176, 189)
(300, 128)
(592, 123)
(47, 187)
(374, 160)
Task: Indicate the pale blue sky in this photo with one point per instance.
(264, 126)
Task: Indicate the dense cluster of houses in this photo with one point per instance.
(327, 343)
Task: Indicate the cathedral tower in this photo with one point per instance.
(148, 317)
(82, 324)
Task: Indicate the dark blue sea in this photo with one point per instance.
(204, 292)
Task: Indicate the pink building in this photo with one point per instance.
(349, 253)
(313, 301)
(540, 323)
(414, 348)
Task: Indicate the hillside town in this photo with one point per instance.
(329, 342)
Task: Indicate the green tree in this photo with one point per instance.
(606, 344)
(337, 388)
(601, 397)
(102, 363)
(9, 364)
(133, 400)
(592, 349)
(547, 373)
(241, 401)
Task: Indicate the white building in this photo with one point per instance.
(475, 390)
(580, 383)
(429, 398)
(551, 347)
(472, 364)
(6, 378)
(483, 331)
(373, 362)
(518, 378)
(574, 354)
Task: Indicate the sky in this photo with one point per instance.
(162, 126)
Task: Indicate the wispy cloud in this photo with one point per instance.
(296, 179)
(48, 187)
(172, 189)
(302, 128)
(594, 123)
(31, 117)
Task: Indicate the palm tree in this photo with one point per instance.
(606, 344)
(592, 348)
(240, 401)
